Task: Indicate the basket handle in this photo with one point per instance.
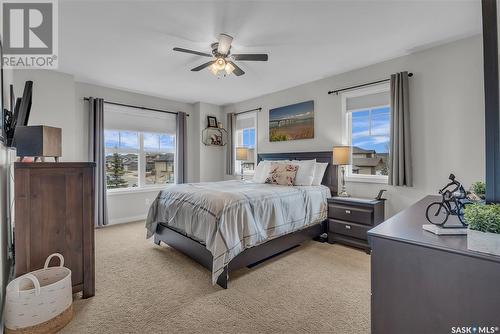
(61, 260)
(33, 279)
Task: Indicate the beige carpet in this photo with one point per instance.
(143, 288)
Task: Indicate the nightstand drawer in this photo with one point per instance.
(351, 229)
(350, 213)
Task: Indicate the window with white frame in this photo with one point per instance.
(245, 135)
(139, 148)
(367, 130)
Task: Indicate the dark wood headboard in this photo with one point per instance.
(330, 179)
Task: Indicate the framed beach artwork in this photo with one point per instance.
(292, 122)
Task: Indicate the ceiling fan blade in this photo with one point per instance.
(237, 71)
(193, 52)
(251, 56)
(224, 44)
(199, 68)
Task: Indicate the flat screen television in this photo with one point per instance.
(22, 111)
(2, 112)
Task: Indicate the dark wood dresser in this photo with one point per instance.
(54, 212)
(349, 220)
(425, 283)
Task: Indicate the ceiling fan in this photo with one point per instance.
(222, 59)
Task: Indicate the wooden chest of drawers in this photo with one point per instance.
(54, 213)
(349, 220)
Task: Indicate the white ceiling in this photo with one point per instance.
(128, 45)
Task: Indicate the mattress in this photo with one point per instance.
(231, 216)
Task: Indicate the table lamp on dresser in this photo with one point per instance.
(342, 157)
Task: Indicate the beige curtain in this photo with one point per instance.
(400, 168)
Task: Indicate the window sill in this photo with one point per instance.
(136, 190)
(367, 179)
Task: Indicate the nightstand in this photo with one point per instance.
(349, 220)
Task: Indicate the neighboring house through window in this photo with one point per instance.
(246, 136)
(367, 129)
(139, 148)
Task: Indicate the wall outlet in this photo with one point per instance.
(147, 201)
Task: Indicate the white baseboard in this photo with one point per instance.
(127, 219)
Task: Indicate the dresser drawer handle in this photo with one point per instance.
(348, 211)
(348, 227)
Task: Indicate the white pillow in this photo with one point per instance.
(305, 173)
(319, 172)
(262, 171)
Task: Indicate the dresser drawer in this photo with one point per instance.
(350, 229)
(350, 213)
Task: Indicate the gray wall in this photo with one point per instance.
(447, 118)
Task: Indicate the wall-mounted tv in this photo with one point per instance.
(21, 112)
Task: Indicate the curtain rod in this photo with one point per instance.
(336, 92)
(243, 112)
(138, 107)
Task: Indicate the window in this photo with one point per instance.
(367, 131)
(138, 153)
(122, 159)
(245, 136)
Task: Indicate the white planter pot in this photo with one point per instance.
(483, 242)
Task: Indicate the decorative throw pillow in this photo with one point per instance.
(282, 174)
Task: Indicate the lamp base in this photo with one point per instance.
(343, 193)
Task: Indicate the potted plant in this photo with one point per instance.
(479, 189)
(483, 234)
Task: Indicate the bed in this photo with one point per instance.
(228, 225)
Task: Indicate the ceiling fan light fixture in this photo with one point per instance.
(213, 68)
(229, 68)
(220, 63)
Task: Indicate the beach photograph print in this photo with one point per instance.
(292, 122)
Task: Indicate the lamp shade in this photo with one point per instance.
(341, 155)
(242, 153)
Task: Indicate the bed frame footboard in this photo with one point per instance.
(200, 254)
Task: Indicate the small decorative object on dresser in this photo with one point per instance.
(349, 220)
(212, 121)
(452, 203)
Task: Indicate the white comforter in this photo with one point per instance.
(230, 216)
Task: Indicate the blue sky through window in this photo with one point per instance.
(371, 129)
(249, 137)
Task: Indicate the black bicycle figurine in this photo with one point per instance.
(452, 203)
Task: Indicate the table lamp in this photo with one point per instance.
(342, 157)
(242, 155)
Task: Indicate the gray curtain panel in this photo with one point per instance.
(400, 168)
(231, 121)
(181, 155)
(97, 155)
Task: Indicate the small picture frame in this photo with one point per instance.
(212, 121)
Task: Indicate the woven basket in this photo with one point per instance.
(40, 301)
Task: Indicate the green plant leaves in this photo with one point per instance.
(483, 217)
